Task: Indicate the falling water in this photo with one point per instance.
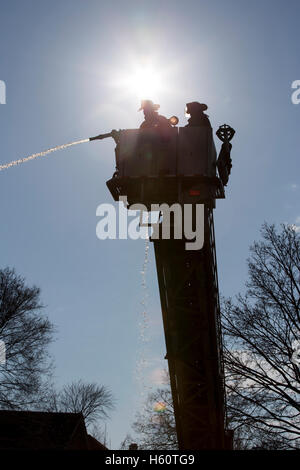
(145, 321)
(41, 154)
(142, 362)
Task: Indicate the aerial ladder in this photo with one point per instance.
(180, 165)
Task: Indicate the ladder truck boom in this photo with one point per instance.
(179, 165)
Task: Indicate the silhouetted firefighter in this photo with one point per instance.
(198, 118)
(152, 118)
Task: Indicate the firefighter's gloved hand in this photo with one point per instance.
(115, 135)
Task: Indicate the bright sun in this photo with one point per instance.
(143, 81)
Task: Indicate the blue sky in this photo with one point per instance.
(62, 62)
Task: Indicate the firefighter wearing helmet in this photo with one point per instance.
(197, 116)
(152, 118)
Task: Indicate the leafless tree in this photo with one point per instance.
(100, 433)
(262, 338)
(26, 334)
(127, 441)
(92, 400)
(155, 424)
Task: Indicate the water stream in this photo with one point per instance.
(142, 363)
(42, 154)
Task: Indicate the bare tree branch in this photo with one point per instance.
(260, 330)
(26, 334)
(92, 400)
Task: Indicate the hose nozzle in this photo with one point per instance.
(100, 136)
(114, 134)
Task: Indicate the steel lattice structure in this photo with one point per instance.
(180, 167)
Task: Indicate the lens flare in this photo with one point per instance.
(159, 407)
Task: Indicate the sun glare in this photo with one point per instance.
(138, 78)
(144, 82)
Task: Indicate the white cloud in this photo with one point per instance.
(296, 225)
